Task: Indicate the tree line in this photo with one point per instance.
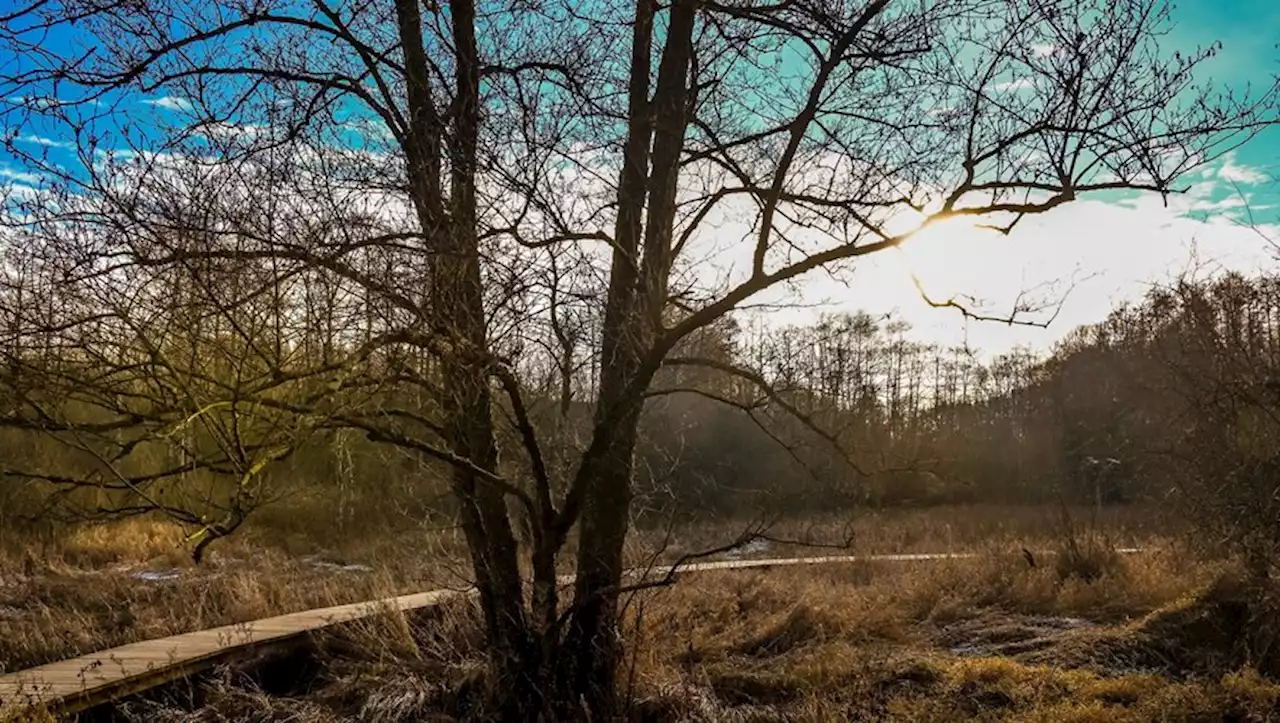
(843, 413)
(1169, 400)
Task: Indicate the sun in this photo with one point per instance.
(951, 230)
(952, 256)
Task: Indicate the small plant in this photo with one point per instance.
(1084, 551)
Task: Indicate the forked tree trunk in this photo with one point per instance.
(532, 668)
(633, 321)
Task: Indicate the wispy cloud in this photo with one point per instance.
(1222, 204)
(36, 140)
(368, 129)
(232, 131)
(169, 102)
(1017, 84)
(1232, 171)
(16, 176)
(44, 103)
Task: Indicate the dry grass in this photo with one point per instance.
(979, 639)
(951, 528)
(987, 638)
(101, 586)
(1083, 635)
(717, 616)
(78, 591)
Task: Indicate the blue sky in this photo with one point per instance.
(1104, 251)
(1249, 31)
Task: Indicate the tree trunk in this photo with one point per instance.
(633, 321)
(457, 310)
(592, 647)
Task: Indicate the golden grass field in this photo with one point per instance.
(1092, 636)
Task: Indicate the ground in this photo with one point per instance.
(1089, 635)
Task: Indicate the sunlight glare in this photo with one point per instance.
(952, 256)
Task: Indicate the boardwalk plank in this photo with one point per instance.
(73, 685)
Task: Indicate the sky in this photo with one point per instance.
(1084, 258)
(1079, 260)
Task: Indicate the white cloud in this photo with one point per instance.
(169, 102)
(36, 102)
(44, 103)
(1089, 256)
(105, 155)
(1017, 84)
(1223, 204)
(36, 140)
(1234, 172)
(1043, 50)
(232, 131)
(368, 129)
(21, 194)
(16, 176)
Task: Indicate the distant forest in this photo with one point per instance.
(1177, 393)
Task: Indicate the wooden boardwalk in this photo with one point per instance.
(70, 686)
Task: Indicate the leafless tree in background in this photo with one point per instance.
(347, 217)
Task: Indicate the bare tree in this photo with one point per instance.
(412, 162)
(1209, 349)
